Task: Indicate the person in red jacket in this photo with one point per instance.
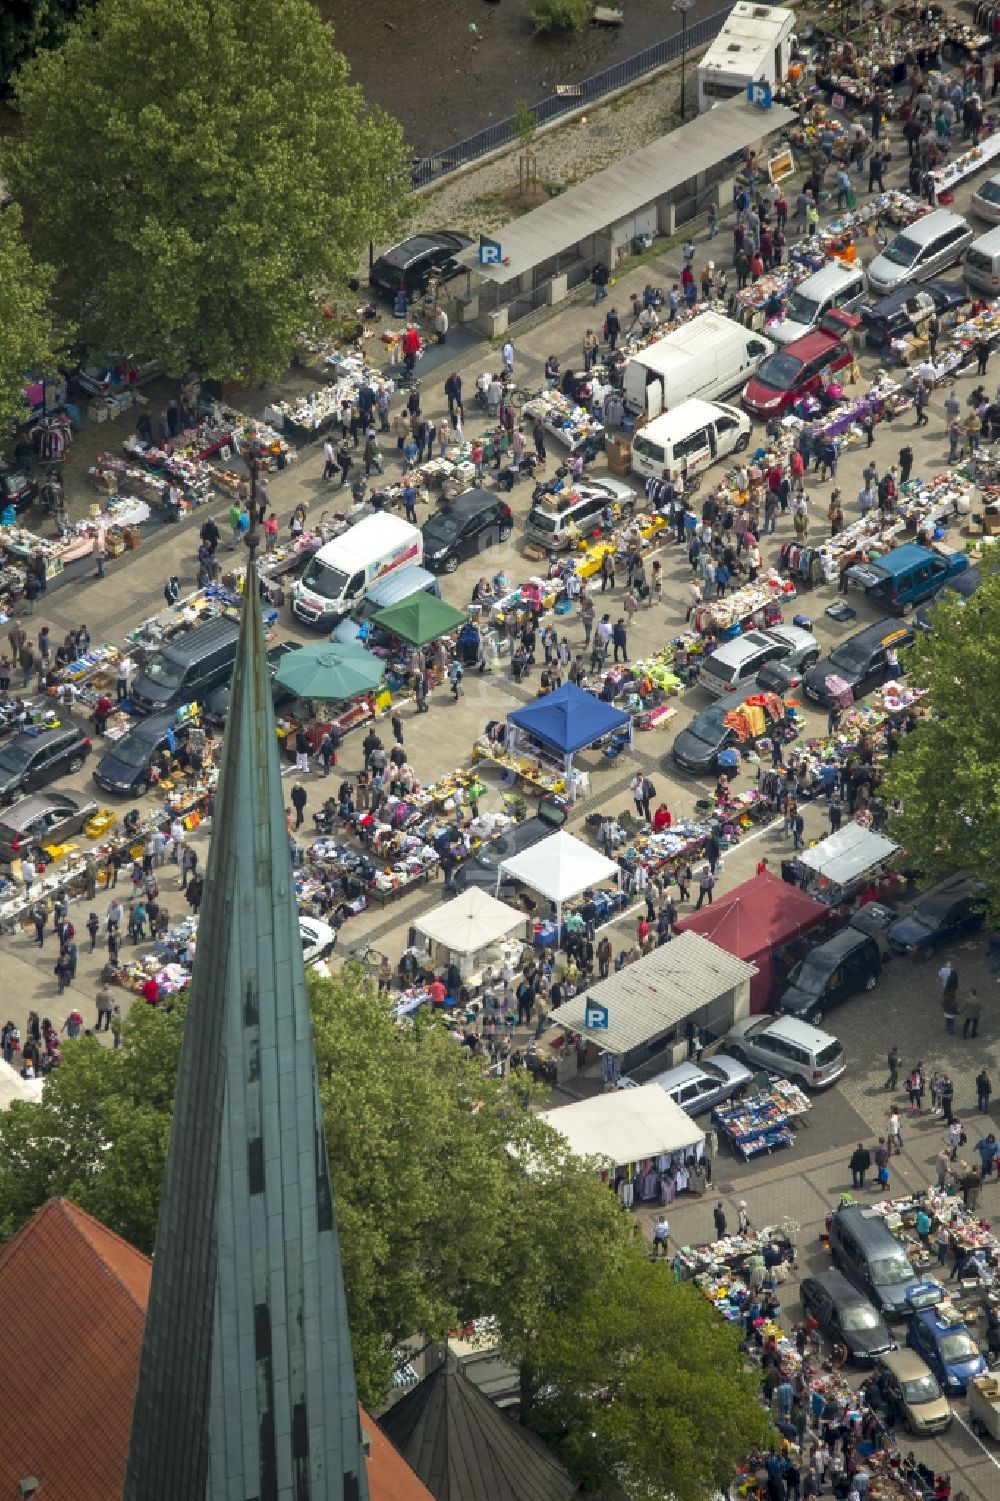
(662, 819)
(151, 991)
(411, 348)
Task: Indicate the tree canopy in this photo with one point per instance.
(28, 25)
(26, 337)
(200, 176)
(944, 775)
(454, 1202)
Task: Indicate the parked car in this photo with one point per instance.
(942, 1339)
(864, 1248)
(215, 704)
(860, 662)
(412, 262)
(908, 308)
(914, 1387)
(318, 939)
(126, 768)
(736, 662)
(464, 527)
(962, 587)
(482, 866)
(799, 369)
(788, 1047)
(985, 201)
(113, 375)
(831, 972)
(17, 489)
(698, 747)
(948, 910)
(42, 818)
(844, 1313)
(697, 1087)
(921, 250)
(37, 756)
(556, 530)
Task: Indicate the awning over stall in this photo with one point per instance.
(625, 1126)
(569, 719)
(469, 922)
(560, 867)
(420, 619)
(844, 856)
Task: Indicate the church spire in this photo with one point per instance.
(246, 1385)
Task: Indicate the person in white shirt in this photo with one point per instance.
(507, 355)
(441, 325)
(329, 460)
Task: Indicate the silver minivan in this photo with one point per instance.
(793, 1049)
(920, 251)
(982, 263)
(563, 525)
(836, 286)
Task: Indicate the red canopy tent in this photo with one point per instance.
(754, 919)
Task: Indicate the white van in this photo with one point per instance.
(341, 573)
(688, 439)
(982, 263)
(920, 251)
(709, 357)
(836, 286)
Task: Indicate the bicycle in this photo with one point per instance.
(368, 957)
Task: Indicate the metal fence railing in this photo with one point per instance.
(503, 132)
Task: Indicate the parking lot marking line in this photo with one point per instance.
(975, 1436)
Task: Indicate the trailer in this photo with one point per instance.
(754, 46)
(984, 1405)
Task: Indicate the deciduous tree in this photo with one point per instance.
(944, 775)
(27, 343)
(199, 175)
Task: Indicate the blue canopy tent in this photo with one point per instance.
(567, 721)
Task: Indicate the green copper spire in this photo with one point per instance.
(246, 1385)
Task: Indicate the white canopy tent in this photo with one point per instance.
(843, 857)
(625, 1126)
(469, 923)
(559, 868)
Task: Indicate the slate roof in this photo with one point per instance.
(465, 1449)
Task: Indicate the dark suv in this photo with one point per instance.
(37, 756)
(464, 527)
(412, 263)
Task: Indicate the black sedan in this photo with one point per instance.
(947, 911)
(463, 527)
(413, 262)
(216, 703)
(481, 868)
(845, 1314)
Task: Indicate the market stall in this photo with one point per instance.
(763, 1121)
(559, 725)
(839, 865)
(754, 920)
(655, 1005)
(328, 673)
(649, 1145)
(471, 929)
(559, 868)
(420, 619)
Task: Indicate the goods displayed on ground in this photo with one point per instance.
(566, 421)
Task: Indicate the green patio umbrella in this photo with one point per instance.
(420, 618)
(330, 671)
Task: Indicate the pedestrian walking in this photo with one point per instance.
(894, 1131)
(298, 800)
(706, 885)
(719, 1217)
(892, 1063)
(861, 1161)
(984, 1089)
(973, 1009)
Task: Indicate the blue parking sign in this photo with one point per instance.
(596, 1018)
(759, 95)
(490, 252)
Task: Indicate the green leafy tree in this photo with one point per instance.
(560, 15)
(28, 25)
(225, 176)
(944, 775)
(454, 1201)
(26, 338)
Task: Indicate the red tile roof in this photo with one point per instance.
(72, 1308)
